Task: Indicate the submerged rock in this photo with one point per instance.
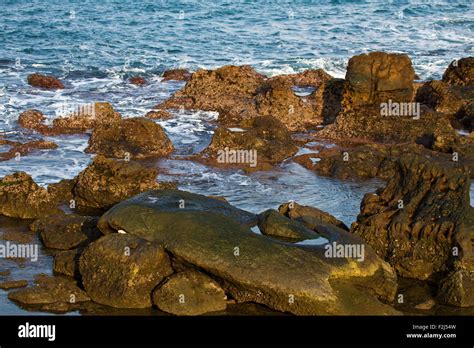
(121, 270)
(133, 138)
(43, 81)
(21, 197)
(18, 149)
(137, 80)
(251, 267)
(190, 293)
(419, 217)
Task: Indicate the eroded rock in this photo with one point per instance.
(121, 270)
(134, 138)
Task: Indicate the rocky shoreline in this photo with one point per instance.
(123, 240)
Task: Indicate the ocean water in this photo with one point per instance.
(95, 46)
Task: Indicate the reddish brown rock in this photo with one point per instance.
(460, 72)
(177, 75)
(137, 80)
(306, 214)
(133, 138)
(159, 114)
(43, 81)
(31, 119)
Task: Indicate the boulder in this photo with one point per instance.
(137, 80)
(419, 217)
(86, 117)
(106, 182)
(250, 267)
(67, 262)
(458, 289)
(229, 89)
(309, 215)
(22, 198)
(277, 98)
(57, 294)
(66, 232)
(273, 224)
(378, 77)
(133, 138)
(121, 270)
(43, 81)
(261, 143)
(23, 149)
(13, 284)
(190, 293)
(177, 75)
(460, 72)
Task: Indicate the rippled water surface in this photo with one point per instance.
(95, 46)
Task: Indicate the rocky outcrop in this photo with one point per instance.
(55, 294)
(121, 270)
(261, 143)
(66, 232)
(43, 81)
(190, 293)
(376, 78)
(177, 75)
(252, 267)
(83, 119)
(309, 215)
(460, 72)
(106, 182)
(133, 138)
(276, 97)
(18, 149)
(272, 223)
(21, 197)
(416, 222)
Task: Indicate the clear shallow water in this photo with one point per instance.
(94, 47)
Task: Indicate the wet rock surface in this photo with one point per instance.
(177, 75)
(134, 138)
(44, 81)
(260, 270)
(190, 293)
(121, 270)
